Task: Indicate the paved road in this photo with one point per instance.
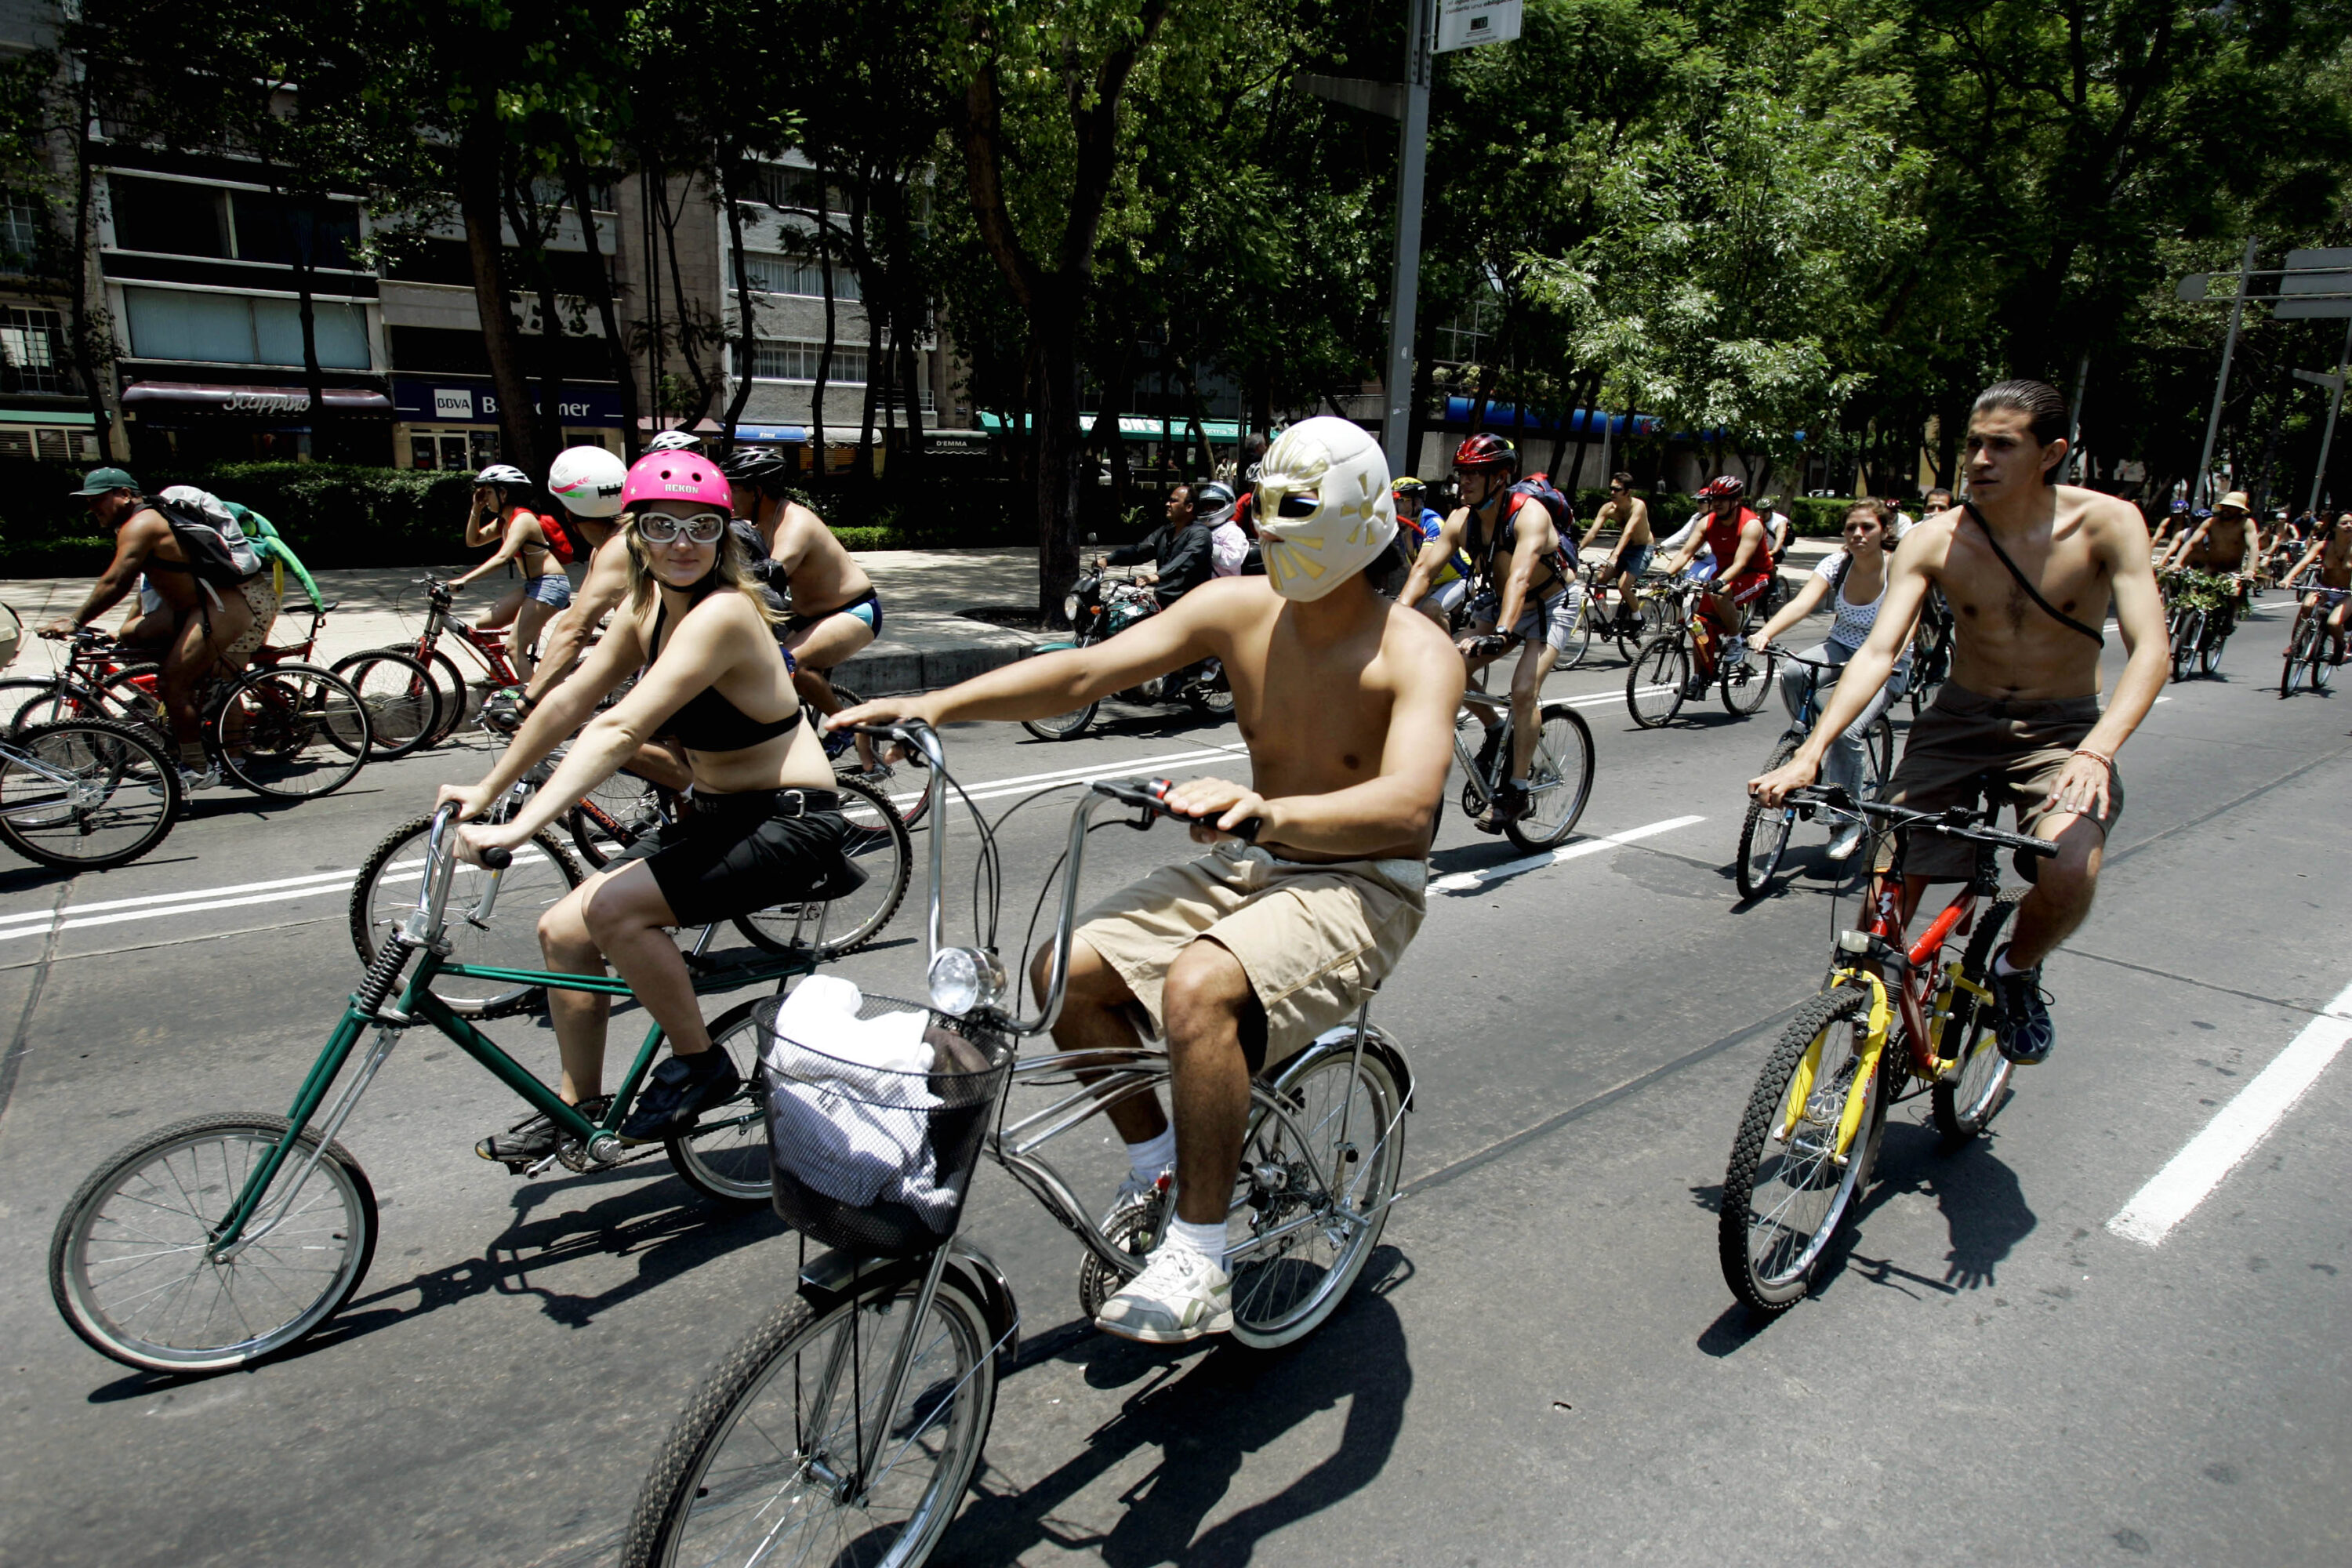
(1546, 1367)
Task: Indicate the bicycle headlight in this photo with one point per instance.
(965, 978)
(1857, 943)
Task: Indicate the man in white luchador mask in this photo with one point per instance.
(1240, 958)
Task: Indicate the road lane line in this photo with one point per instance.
(153, 898)
(2174, 1192)
(1464, 882)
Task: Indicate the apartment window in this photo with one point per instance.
(172, 217)
(790, 359)
(781, 186)
(22, 222)
(33, 344)
(802, 275)
(237, 328)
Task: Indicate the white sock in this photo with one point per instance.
(2000, 963)
(1208, 1240)
(1153, 1155)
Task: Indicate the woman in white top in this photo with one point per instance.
(1855, 582)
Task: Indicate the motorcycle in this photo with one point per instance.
(1099, 607)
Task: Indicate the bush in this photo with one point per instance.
(343, 514)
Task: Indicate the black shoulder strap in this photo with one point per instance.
(2052, 611)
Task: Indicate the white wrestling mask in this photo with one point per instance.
(1322, 506)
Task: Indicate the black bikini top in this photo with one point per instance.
(707, 721)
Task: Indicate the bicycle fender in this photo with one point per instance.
(829, 1276)
(1342, 1037)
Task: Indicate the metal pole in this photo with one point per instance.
(2334, 404)
(2075, 419)
(2221, 381)
(1412, 150)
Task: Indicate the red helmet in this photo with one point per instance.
(1722, 487)
(1484, 451)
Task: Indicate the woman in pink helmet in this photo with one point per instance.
(760, 827)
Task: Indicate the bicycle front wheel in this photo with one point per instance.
(492, 917)
(1330, 1133)
(1878, 758)
(2188, 627)
(1764, 836)
(1746, 685)
(1785, 1191)
(292, 732)
(878, 844)
(1967, 1097)
(2298, 654)
(127, 1265)
(760, 1468)
(85, 794)
(404, 707)
(1560, 778)
(1658, 681)
(725, 1156)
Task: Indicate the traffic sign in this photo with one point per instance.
(1466, 24)
(2322, 272)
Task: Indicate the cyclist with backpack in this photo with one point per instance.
(198, 577)
(1734, 536)
(538, 545)
(1516, 533)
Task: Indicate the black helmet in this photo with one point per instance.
(762, 467)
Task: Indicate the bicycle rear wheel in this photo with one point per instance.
(909, 812)
(1877, 757)
(752, 1472)
(2188, 627)
(2209, 649)
(28, 700)
(128, 1268)
(85, 794)
(878, 844)
(1560, 778)
(1746, 685)
(625, 806)
(1967, 1099)
(1784, 1192)
(1764, 836)
(404, 708)
(2323, 668)
(1657, 681)
(1337, 1143)
(1580, 634)
(292, 732)
(505, 936)
(725, 1156)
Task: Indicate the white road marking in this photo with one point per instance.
(1463, 882)
(1085, 773)
(2174, 1192)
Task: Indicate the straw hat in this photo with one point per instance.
(2235, 500)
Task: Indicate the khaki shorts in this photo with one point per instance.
(2023, 745)
(261, 592)
(1315, 940)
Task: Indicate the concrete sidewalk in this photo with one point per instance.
(925, 640)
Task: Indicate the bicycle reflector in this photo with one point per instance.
(1853, 941)
(964, 978)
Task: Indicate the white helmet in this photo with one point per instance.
(588, 480)
(674, 441)
(502, 474)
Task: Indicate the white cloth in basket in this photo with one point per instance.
(822, 1119)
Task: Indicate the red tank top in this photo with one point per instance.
(1722, 539)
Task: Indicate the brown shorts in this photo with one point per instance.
(1962, 737)
(1315, 940)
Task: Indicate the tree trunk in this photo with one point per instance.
(90, 364)
(1058, 442)
(532, 230)
(616, 347)
(864, 473)
(818, 470)
(746, 322)
(477, 200)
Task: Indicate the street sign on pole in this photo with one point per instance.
(2325, 272)
(1466, 24)
(1404, 282)
(2335, 407)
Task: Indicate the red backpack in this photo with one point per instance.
(560, 542)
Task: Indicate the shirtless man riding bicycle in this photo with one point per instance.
(2331, 553)
(1242, 957)
(2030, 567)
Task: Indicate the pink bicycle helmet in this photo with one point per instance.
(675, 475)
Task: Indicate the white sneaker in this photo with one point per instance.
(191, 781)
(1848, 839)
(1179, 1296)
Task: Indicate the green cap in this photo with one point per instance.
(101, 481)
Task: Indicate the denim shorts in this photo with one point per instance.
(553, 590)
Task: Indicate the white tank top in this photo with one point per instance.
(1851, 627)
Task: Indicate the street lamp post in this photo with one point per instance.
(2334, 406)
(2221, 381)
(1405, 284)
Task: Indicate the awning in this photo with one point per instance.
(271, 400)
(1143, 427)
(44, 417)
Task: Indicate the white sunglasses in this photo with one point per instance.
(702, 528)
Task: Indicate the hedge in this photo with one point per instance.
(342, 515)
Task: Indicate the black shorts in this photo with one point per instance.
(734, 854)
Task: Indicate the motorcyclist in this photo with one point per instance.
(1180, 551)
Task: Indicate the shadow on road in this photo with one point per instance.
(1205, 1419)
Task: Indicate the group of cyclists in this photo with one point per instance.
(1349, 616)
(2217, 558)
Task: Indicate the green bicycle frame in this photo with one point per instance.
(418, 1005)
